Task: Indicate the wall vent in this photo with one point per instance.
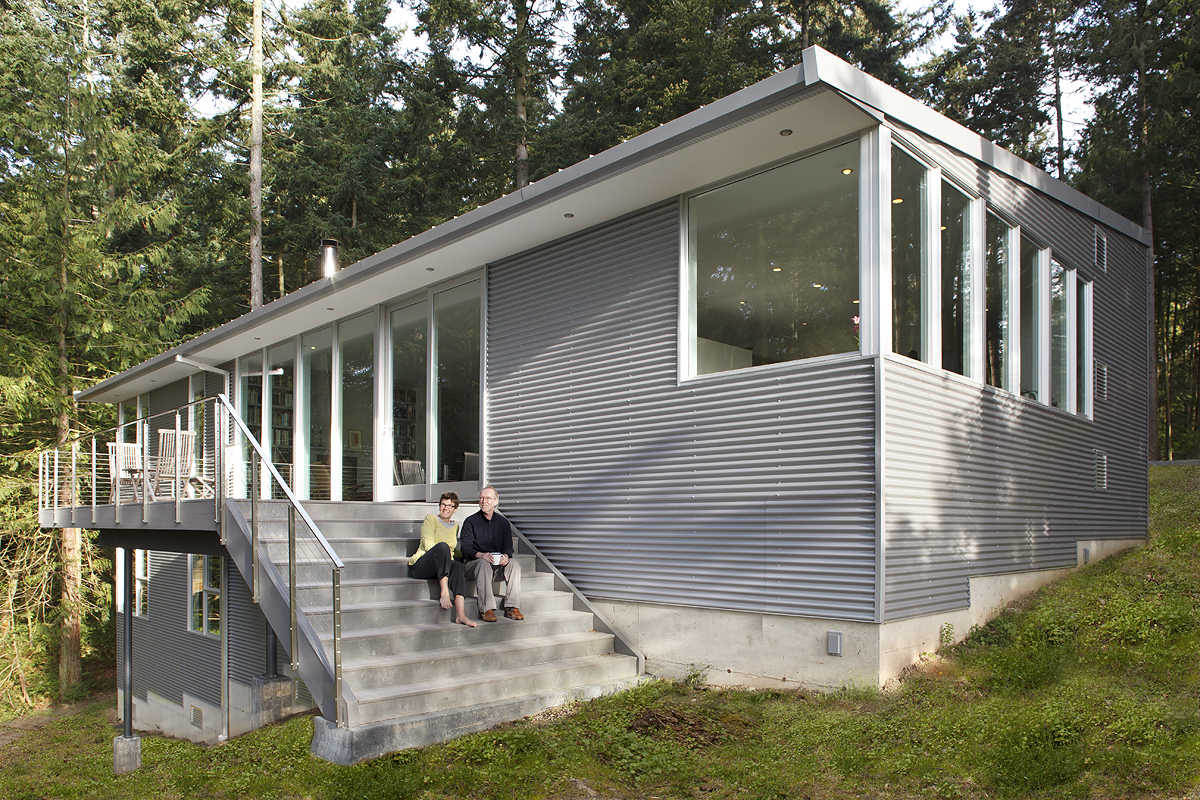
(1101, 380)
(197, 717)
(1101, 470)
(1101, 255)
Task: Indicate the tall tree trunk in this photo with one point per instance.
(70, 669)
(1143, 125)
(256, 104)
(521, 82)
(1058, 95)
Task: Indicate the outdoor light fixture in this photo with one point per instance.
(898, 201)
(777, 269)
(329, 258)
(847, 171)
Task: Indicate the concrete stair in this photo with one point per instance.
(412, 677)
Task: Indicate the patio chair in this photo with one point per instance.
(125, 471)
(174, 465)
(408, 472)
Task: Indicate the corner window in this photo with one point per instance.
(141, 583)
(910, 256)
(773, 264)
(956, 280)
(205, 582)
(997, 344)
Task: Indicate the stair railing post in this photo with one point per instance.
(176, 488)
(145, 468)
(220, 481)
(71, 493)
(295, 630)
(339, 713)
(254, 522)
(93, 479)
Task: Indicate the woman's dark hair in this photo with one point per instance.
(451, 496)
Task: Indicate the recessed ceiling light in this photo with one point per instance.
(818, 286)
(569, 215)
(777, 269)
(898, 201)
(330, 308)
(854, 301)
(258, 338)
(847, 171)
(786, 132)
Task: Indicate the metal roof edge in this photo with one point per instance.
(821, 66)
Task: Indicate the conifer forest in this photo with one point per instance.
(127, 138)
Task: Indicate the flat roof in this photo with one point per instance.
(820, 100)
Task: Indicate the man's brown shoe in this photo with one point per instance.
(513, 613)
(488, 616)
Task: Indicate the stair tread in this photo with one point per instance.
(495, 676)
(423, 627)
(380, 605)
(476, 649)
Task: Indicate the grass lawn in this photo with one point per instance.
(1089, 689)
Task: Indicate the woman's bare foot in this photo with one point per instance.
(462, 620)
(446, 601)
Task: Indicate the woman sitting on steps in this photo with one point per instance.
(438, 557)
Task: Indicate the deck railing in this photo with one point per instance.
(204, 451)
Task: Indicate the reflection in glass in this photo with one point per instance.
(356, 345)
(317, 389)
(910, 254)
(996, 299)
(456, 321)
(1083, 361)
(251, 409)
(281, 386)
(774, 264)
(1060, 279)
(410, 354)
(1031, 354)
(956, 278)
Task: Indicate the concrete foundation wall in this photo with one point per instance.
(767, 650)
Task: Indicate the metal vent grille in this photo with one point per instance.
(1101, 255)
(1101, 470)
(1101, 380)
(197, 717)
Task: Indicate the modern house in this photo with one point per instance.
(787, 388)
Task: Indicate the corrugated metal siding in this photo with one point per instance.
(750, 491)
(247, 631)
(167, 399)
(167, 657)
(983, 483)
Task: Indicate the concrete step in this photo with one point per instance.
(336, 529)
(352, 745)
(363, 547)
(459, 691)
(398, 613)
(444, 634)
(383, 671)
(392, 589)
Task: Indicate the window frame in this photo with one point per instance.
(141, 583)
(209, 593)
(868, 169)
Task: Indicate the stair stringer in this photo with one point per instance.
(316, 665)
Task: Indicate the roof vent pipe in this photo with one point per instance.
(329, 257)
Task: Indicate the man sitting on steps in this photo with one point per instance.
(486, 543)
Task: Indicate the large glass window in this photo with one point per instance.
(1083, 345)
(956, 279)
(410, 356)
(1031, 334)
(1061, 281)
(773, 262)
(910, 256)
(356, 345)
(250, 405)
(996, 313)
(457, 343)
(281, 380)
(141, 583)
(205, 578)
(317, 387)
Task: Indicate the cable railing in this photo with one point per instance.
(204, 451)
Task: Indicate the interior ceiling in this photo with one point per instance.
(740, 147)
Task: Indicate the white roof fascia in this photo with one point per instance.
(820, 66)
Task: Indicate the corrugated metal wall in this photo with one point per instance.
(982, 483)
(752, 492)
(167, 657)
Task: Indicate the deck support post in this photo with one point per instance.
(127, 748)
